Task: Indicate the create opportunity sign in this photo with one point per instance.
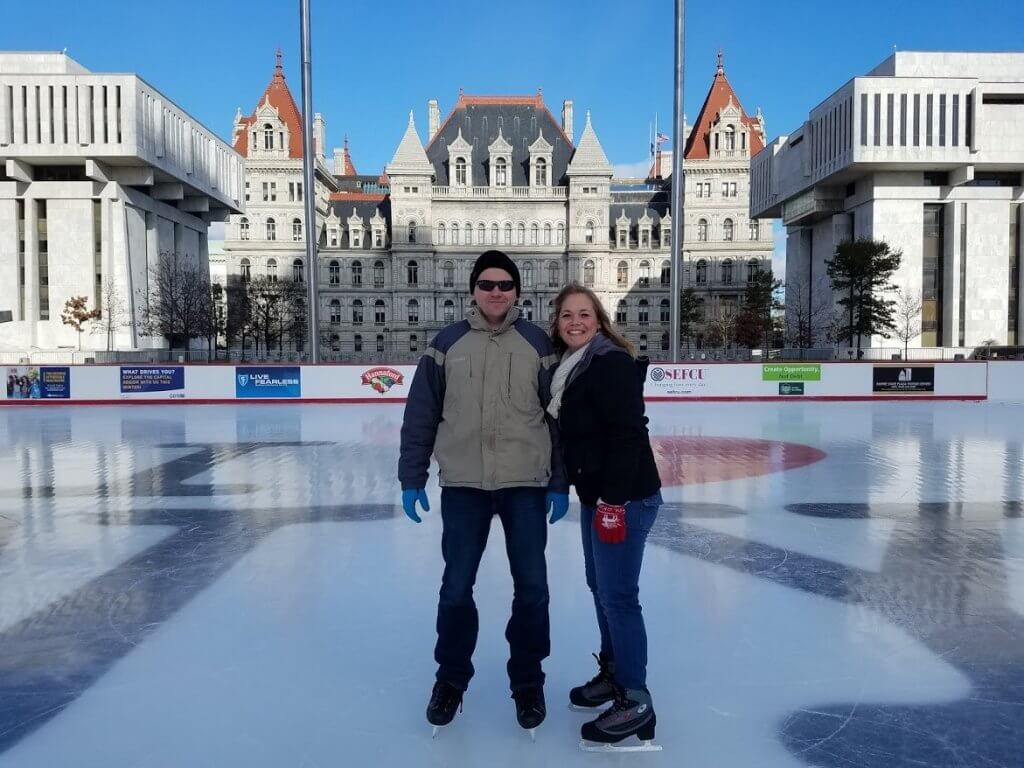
(791, 372)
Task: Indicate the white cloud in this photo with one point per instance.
(636, 170)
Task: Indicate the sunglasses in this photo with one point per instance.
(489, 285)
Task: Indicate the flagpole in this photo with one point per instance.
(678, 144)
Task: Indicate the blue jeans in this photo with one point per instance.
(466, 514)
(613, 575)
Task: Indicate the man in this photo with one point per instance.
(477, 402)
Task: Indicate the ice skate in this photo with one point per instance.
(530, 708)
(631, 714)
(598, 691)
(445, 699)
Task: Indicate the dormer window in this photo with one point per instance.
(268, 136)
(730, 137)
(622, 237)
(460, 171)
(500, 173)
(541, 172)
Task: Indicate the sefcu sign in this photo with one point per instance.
(676, 379)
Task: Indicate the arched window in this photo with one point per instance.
(449, 311)
(508, 234)
(645, 273)
(271, 229)
(727, 230)
(441, 234)
(666, 236)
(560, 234)
(455, 233)
(755, 229)
(494, 234)
(469, 233)
(666, 272)
(357, 343)
(378, 274)
(554, 274)
(521, 234)
(414, 343)
(296, 230)
(448, 274)
(412, 273)
(379, 314)
(547, 234)
(702, 230)
(412, 231)
(380, 343)
(357, 273)
(702, 272)
(500, 172)
(752, 269)
(357, 312)
(413, 309)
(272, 270)
(730, 137)
(664, 311)
(334, 273)
(534, 229)
(460, 171)
(481, 234)
(298, 273)
(335, 312)
(246, 268)
(588, 232)
(727, 271)
(268, 136)
(335, 343)
(528, 309)
(644, 312)
(588, 272)
(541, 175)
(622, 274)
(243, 229)
(527, 271)
(551, 310)
(642, 346)
(620, 312)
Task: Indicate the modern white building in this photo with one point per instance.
(925, 152)
(395, 251)
(100, 174)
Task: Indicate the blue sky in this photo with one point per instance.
(374, 61)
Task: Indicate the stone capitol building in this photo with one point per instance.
(396, 249)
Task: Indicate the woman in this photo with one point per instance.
(597, 397)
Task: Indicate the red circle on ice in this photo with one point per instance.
(690, 460)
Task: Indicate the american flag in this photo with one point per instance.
(661, 139)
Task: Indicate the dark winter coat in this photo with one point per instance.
(603, 428)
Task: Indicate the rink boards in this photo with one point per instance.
(219, 383)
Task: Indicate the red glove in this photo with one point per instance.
(610, 523)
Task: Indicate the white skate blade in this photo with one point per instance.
(578, 708)
(533, 734)
(643, 746)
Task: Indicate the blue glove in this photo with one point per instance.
(409, 498)
(557, 505)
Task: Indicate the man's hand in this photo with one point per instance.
(409, 498)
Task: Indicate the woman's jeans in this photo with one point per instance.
(613, 575)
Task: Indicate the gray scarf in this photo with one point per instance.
(561, 378)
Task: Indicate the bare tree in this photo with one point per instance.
(809, 314)
(908, 317)
(113, 313)
(180, 301)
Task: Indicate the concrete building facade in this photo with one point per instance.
(925, 152)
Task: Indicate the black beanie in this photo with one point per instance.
(497, 259)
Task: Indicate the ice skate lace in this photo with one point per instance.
(528, 699)
(447, 697)
(603, 675)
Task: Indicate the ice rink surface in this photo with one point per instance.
(828, 584)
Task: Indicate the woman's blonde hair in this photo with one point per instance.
(603, 320)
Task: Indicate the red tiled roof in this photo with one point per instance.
(698, 147)
(350, 169)
(357, 197)
(280, 98)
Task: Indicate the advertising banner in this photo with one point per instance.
(166, 381)
(268, 381)
(914, 378)
(382, 379)
(29, 382)
(677, 380)
(791, 372)
(791, 387)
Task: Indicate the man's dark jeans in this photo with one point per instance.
(466, 514)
